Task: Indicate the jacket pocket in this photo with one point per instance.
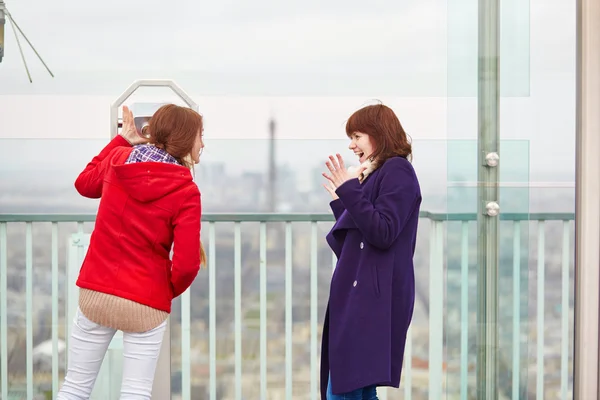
(375, 280)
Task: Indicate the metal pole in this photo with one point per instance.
(487, 219)
(2, 25)
(587, 200)
(272, 195)
(18, 28)
(4, 14)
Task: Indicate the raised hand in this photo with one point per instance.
(339, 173)
(331, 189)
(129, 131)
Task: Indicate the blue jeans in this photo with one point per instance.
(366, 393)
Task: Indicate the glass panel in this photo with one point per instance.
(463, 52)
(233, 174)
(462, 295)
(227, 168)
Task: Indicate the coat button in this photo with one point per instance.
(355, 283)
(362, 245)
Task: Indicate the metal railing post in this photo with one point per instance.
(587, 200)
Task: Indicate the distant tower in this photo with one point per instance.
(272, 196)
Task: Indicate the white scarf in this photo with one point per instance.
(370, 165)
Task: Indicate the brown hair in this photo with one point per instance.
(384, 128)
(203, 258)
(175, 129)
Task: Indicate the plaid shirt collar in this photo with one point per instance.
(150, 153)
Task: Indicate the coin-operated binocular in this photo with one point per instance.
(143, 111)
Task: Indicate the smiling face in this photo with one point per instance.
(376, 134)
(362, 145)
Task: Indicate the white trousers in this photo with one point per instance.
(87, 347)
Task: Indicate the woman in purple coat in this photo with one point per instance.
(376, 207)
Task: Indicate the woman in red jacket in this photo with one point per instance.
(149, 204)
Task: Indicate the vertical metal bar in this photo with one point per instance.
(487, 239)
(74, 299)
(55, 321)
(288, 311)
(333, 262)
(436, 310)
(516, 334)
(263, 309)
(80, 232)
(564, 354)
(237, 272)
(314, 289)
(29, 306)
(540, 311)
(186, 364)
(587, 198)
(161, 387)
(75, 256)
(69, 293)
(382, 393)
(212, 336)
(2, 24)
(407, 368)
(464, 311)
(272, 188)
(3, 310)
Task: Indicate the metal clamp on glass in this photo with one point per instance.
(491, 159)
(492, 208)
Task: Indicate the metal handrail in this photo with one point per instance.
(293, 217)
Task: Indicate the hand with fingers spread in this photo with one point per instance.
(331, 189)
(129, 131)
(339, 174)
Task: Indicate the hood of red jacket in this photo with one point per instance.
(149, 181)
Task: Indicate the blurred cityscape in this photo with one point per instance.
(283, 187)
(276, 83)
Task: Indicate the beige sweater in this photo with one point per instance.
(119, 313)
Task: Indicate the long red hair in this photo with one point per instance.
(175, 129)
(203, 259)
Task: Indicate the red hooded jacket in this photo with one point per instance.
(145, 209)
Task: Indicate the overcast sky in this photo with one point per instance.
(309, 64)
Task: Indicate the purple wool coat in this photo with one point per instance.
(372, 290)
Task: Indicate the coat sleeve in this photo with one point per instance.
(382, 221)
(90, 180)
(186, 242)
(337, 207)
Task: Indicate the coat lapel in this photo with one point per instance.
(335, 237)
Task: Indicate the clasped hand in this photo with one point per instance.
(339, 174)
